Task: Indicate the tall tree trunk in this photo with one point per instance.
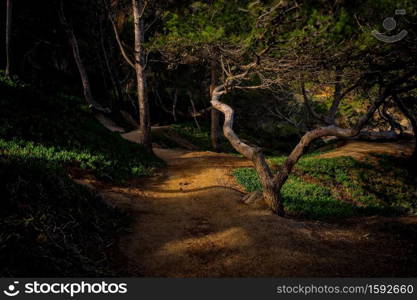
(138, 7)
(215, 114)
(77, 57)
(8, 35)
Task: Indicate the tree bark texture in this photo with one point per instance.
(138, 7)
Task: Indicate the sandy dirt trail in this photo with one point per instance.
(189, 222)
(360, 150)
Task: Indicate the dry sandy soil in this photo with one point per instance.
(189, 222)
(361, 150)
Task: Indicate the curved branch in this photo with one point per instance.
(229, 133)
(119, 42)
(281, 177)
(331, 130)
(386, 116)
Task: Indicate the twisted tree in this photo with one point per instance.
(138, 7)
(274, 45)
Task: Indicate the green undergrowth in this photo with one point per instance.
(342, 187)
(60, 129)
(51, 226)
(199, 137)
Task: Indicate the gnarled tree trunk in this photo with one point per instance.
(272, 185)
(331, 130)
(138, 7)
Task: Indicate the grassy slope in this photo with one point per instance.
(60, 129)
(51, 226)
(343, 187)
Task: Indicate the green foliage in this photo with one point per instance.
(327, 169)
(223, 16)
(346, 26)
(207, 24)
(248, 178)
(11, 81)
(373, 12)
(301, 198)
(51, 226)
(322, 29)
(342, 187)
(60, 129)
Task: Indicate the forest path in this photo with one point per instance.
(360, 149)
(189, 222)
